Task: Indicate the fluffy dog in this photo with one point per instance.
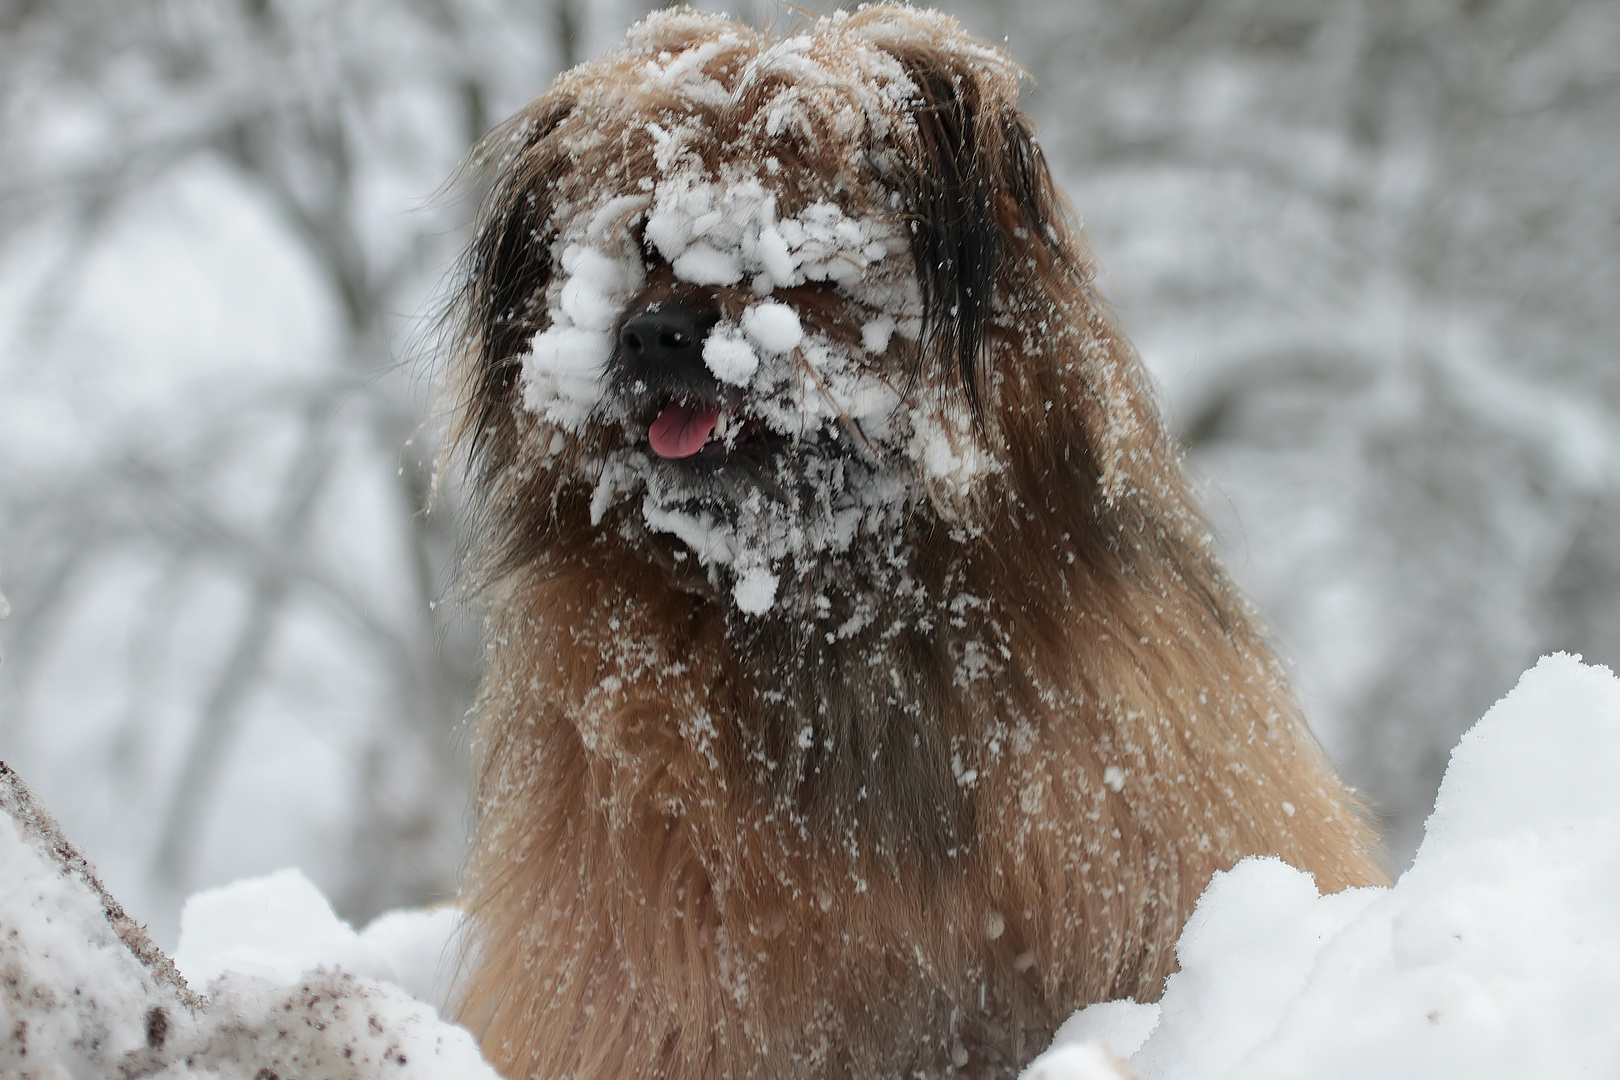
(862, 694)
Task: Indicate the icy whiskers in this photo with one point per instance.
(863, 696)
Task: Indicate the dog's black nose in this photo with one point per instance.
(662, 348)
(665, 335)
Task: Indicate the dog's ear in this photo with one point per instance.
(509, 267)
(978, 192)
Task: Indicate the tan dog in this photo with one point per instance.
(863, 696)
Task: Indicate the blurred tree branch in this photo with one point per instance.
(325, 113)
(1374, 244)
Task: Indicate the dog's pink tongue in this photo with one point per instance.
(681, 430)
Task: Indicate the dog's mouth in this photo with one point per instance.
(686, 429)
(683, 429)
(675, 402)
(738, 465)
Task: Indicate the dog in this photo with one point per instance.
(863, 695)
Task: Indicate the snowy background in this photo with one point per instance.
(1371, 248)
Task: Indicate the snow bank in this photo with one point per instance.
(1496, 955)
(280, 926)
(84, 994)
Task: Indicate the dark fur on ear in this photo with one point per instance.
(507, 270)
(498, 311)
(970, 151)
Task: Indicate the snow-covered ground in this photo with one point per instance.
(290, 991)
(1496, 955)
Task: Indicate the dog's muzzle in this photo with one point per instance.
(663, 351)
(662, 355)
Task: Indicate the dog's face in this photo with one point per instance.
(734, 303)
(719, 350)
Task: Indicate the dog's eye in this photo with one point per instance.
(649, 254)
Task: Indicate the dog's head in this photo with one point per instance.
(809, 464)
(765, 312)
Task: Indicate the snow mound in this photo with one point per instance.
(1496, 955)
(278, 927)
(84, 994)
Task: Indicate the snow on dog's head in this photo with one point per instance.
(742, 302)
(742, 293)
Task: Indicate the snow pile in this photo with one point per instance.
(279, 926)
(84, 994)
(1496, 955)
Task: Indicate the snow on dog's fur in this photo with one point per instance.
(863, 696)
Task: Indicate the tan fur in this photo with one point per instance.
(665, 884)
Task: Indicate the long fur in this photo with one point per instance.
(875, 831)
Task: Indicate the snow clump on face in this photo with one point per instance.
(755, 591)
(565, 369)
(774, 326)
(728, 354)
